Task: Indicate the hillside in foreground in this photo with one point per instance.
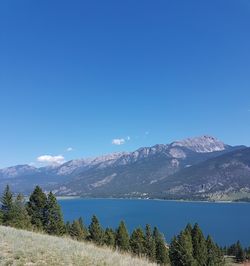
(19, 247)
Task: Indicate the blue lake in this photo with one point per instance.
(225, 222)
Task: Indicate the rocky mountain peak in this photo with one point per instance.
(201, 144)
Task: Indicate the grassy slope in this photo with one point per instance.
(19, 247)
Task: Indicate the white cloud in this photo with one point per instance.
(118, 141)
(49, 159)
(69, 149)
(128, 138)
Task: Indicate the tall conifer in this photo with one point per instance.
(214, 254)
(83, 228)
(150, 248)
(137, 242)
(95, 231)
(36, 208)
(122, 237)
(199, 246)
(109, 237)
(53, 219)
(75, 230)
(162, 256)
(240, 254)
(18, 215)
(7, 203)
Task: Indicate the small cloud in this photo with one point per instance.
(49, 159)
(69, 149)
(128, 138)
(118, 141)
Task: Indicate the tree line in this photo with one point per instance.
(41, 212)
(238, 252)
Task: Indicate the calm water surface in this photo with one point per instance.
(226, 222)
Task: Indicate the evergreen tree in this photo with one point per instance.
(122, 237)
(189, 228)
(53, 222)
(248, 253)
(181, 249)
(83, 228)
(220, 260)
(150, 248)
(1, 216)
(162, 256)
(240, 254)
(137, 242)
(36, 208)
(7, 203)
(67, 228)
(211, 256)
(199, 246)
(95, 231)
(232, 250)
(75, 231)
(109, 237)
(214, 254)
(174, 252)
(18, 215)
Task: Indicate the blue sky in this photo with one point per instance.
(81, 73)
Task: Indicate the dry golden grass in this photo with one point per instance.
(19, 247)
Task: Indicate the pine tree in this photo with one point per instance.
(149, 244)
(185, 241)
(122, 237)
(109, 237)
(18, 215)
(240, 254)
(1, 216)
(220, 260)
(95, 231)
(181, 249)
(83, 228)
(36, 208)
(199, 246)
(214, 254)
(7, 203)
(162, 256)
(231, 251)
(174, 252)
(53, 222)
(67, 228)
(189, 228)
(137, 242)
(75, 231)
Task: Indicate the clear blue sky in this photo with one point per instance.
(82, 73)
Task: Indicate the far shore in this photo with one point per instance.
(68, 197)
(153, 199)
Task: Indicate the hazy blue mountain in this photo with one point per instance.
(142, 173)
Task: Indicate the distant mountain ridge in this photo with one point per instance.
(142, 173)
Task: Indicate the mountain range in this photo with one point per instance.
(201, 168)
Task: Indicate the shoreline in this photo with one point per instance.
(153, 199)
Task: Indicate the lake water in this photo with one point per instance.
(225, 222)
